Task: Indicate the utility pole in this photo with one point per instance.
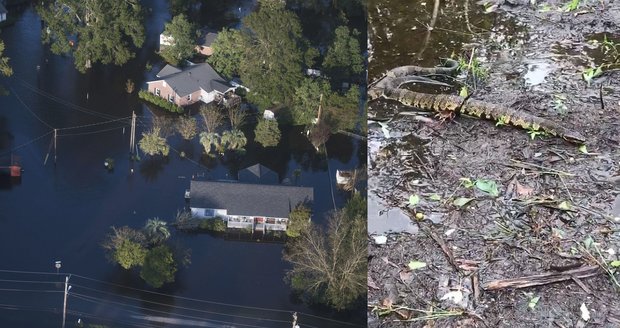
(132, 138)
(64, 306)
(318, 117)
(55, 137)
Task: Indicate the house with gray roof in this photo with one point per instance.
(253, 205)
(187, 85)
(205, 40)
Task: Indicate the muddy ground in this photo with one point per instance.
(558, 204)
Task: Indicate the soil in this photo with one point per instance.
(558, 204)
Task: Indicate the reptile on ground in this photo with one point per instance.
(389, 87)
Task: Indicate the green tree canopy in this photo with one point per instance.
(156, 231)
(331, 266)
(341, 112)
(126, 247)
(307, 99)
(153, 144)
(299, 221)
(5, 69)
(95, 31)
(183, 45)
(267, 133)
(229, 51)
(344, 56)
(159, 266)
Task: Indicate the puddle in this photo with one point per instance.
(537, 71)
(604, 48)
(383, 219)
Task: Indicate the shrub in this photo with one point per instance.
(160, 102)
(216, 224)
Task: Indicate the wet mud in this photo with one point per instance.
(486, 202)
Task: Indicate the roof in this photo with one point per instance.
(247, 198)
(192, 78)
(258, 174)
(206, 39)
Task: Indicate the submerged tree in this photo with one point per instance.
(267, 133)
(212, 118)
(159, 266)
(299, 221)
(5, 69)
(183, 41)
(126, 247)
(330, 266)
(156, 231)
(96, 31)
(210, 140)
(344, 56)
(234, 139)
(153, 144)
(237, 116)
(228, 52)
(187, 128)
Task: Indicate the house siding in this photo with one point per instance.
(166, 91)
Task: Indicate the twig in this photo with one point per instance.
(444, 248)
(542, 279)
(529, 166)
(567, 191)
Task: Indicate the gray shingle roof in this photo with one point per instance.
(248, 199)
(206, 39)
(193, 78)
(258, 174)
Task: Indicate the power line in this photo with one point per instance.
(30, 110)
(91, 132)
(27, 143)
(178, 297)
(94, 124)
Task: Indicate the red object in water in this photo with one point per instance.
(16, 171)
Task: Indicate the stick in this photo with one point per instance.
(542, 279)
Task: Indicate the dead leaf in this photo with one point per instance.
(406, 276)
(524, 190)
(372, 284)
(404, 314)
(387, 261)
(387, 303)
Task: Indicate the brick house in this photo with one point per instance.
(187, 85)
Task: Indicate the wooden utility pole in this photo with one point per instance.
(64, 306)
(132, 137)
(55, 137)
(295, 320)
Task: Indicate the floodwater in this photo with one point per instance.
(63, 210)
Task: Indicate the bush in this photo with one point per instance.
(160, 102)
(216, 224)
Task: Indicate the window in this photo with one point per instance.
(209, 212)
(171, 98)
(157, 91)
(189, 97)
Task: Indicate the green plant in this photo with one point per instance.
(591, 72)
(160, 102)
(536, 133)
(215, 224)
(572, 6)
(558, 104)
(503, 120)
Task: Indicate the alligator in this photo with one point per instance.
(389, 87)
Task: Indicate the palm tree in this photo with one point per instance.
(209, 139)
(156, 231)
(234, 139)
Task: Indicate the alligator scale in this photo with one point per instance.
(390, 88)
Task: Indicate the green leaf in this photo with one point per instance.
(488, 186)
(565, 206)
(533, 302)
(466, 182)
(414, 265)
(615, 264)
(435, 197)
(461, 201)
(464, 92)
(414, 200)
(588, 242)
(583, 149)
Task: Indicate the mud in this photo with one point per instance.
(558, 205)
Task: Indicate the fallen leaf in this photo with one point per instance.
(406, 276)
(435, 197)
(585, 313)
(615, 264)
(404, 314)
(583, 149)
(414, 200)
(454, 296)
(461, 201)
(450, 231)
(488, 186)
(387, 302)
(588, 242)
(463, 93)
(414, 265)
(523, 190)
(565, 206)
(533, 302)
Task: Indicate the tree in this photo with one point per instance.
(234, 139)
(341, 112)
(307, 100)
(209, 140)
(126, 247)
(267, 133)
(159, 266)
(330, 266)
(187, 128)
(96, 31)
(319, 134)
(153, 144)
(228, 52)
(183, 41)
(272, 62)
(5, 69)
(299, 221)
(156, 231)
(236, 116)
(212, 117)
(344, 56)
